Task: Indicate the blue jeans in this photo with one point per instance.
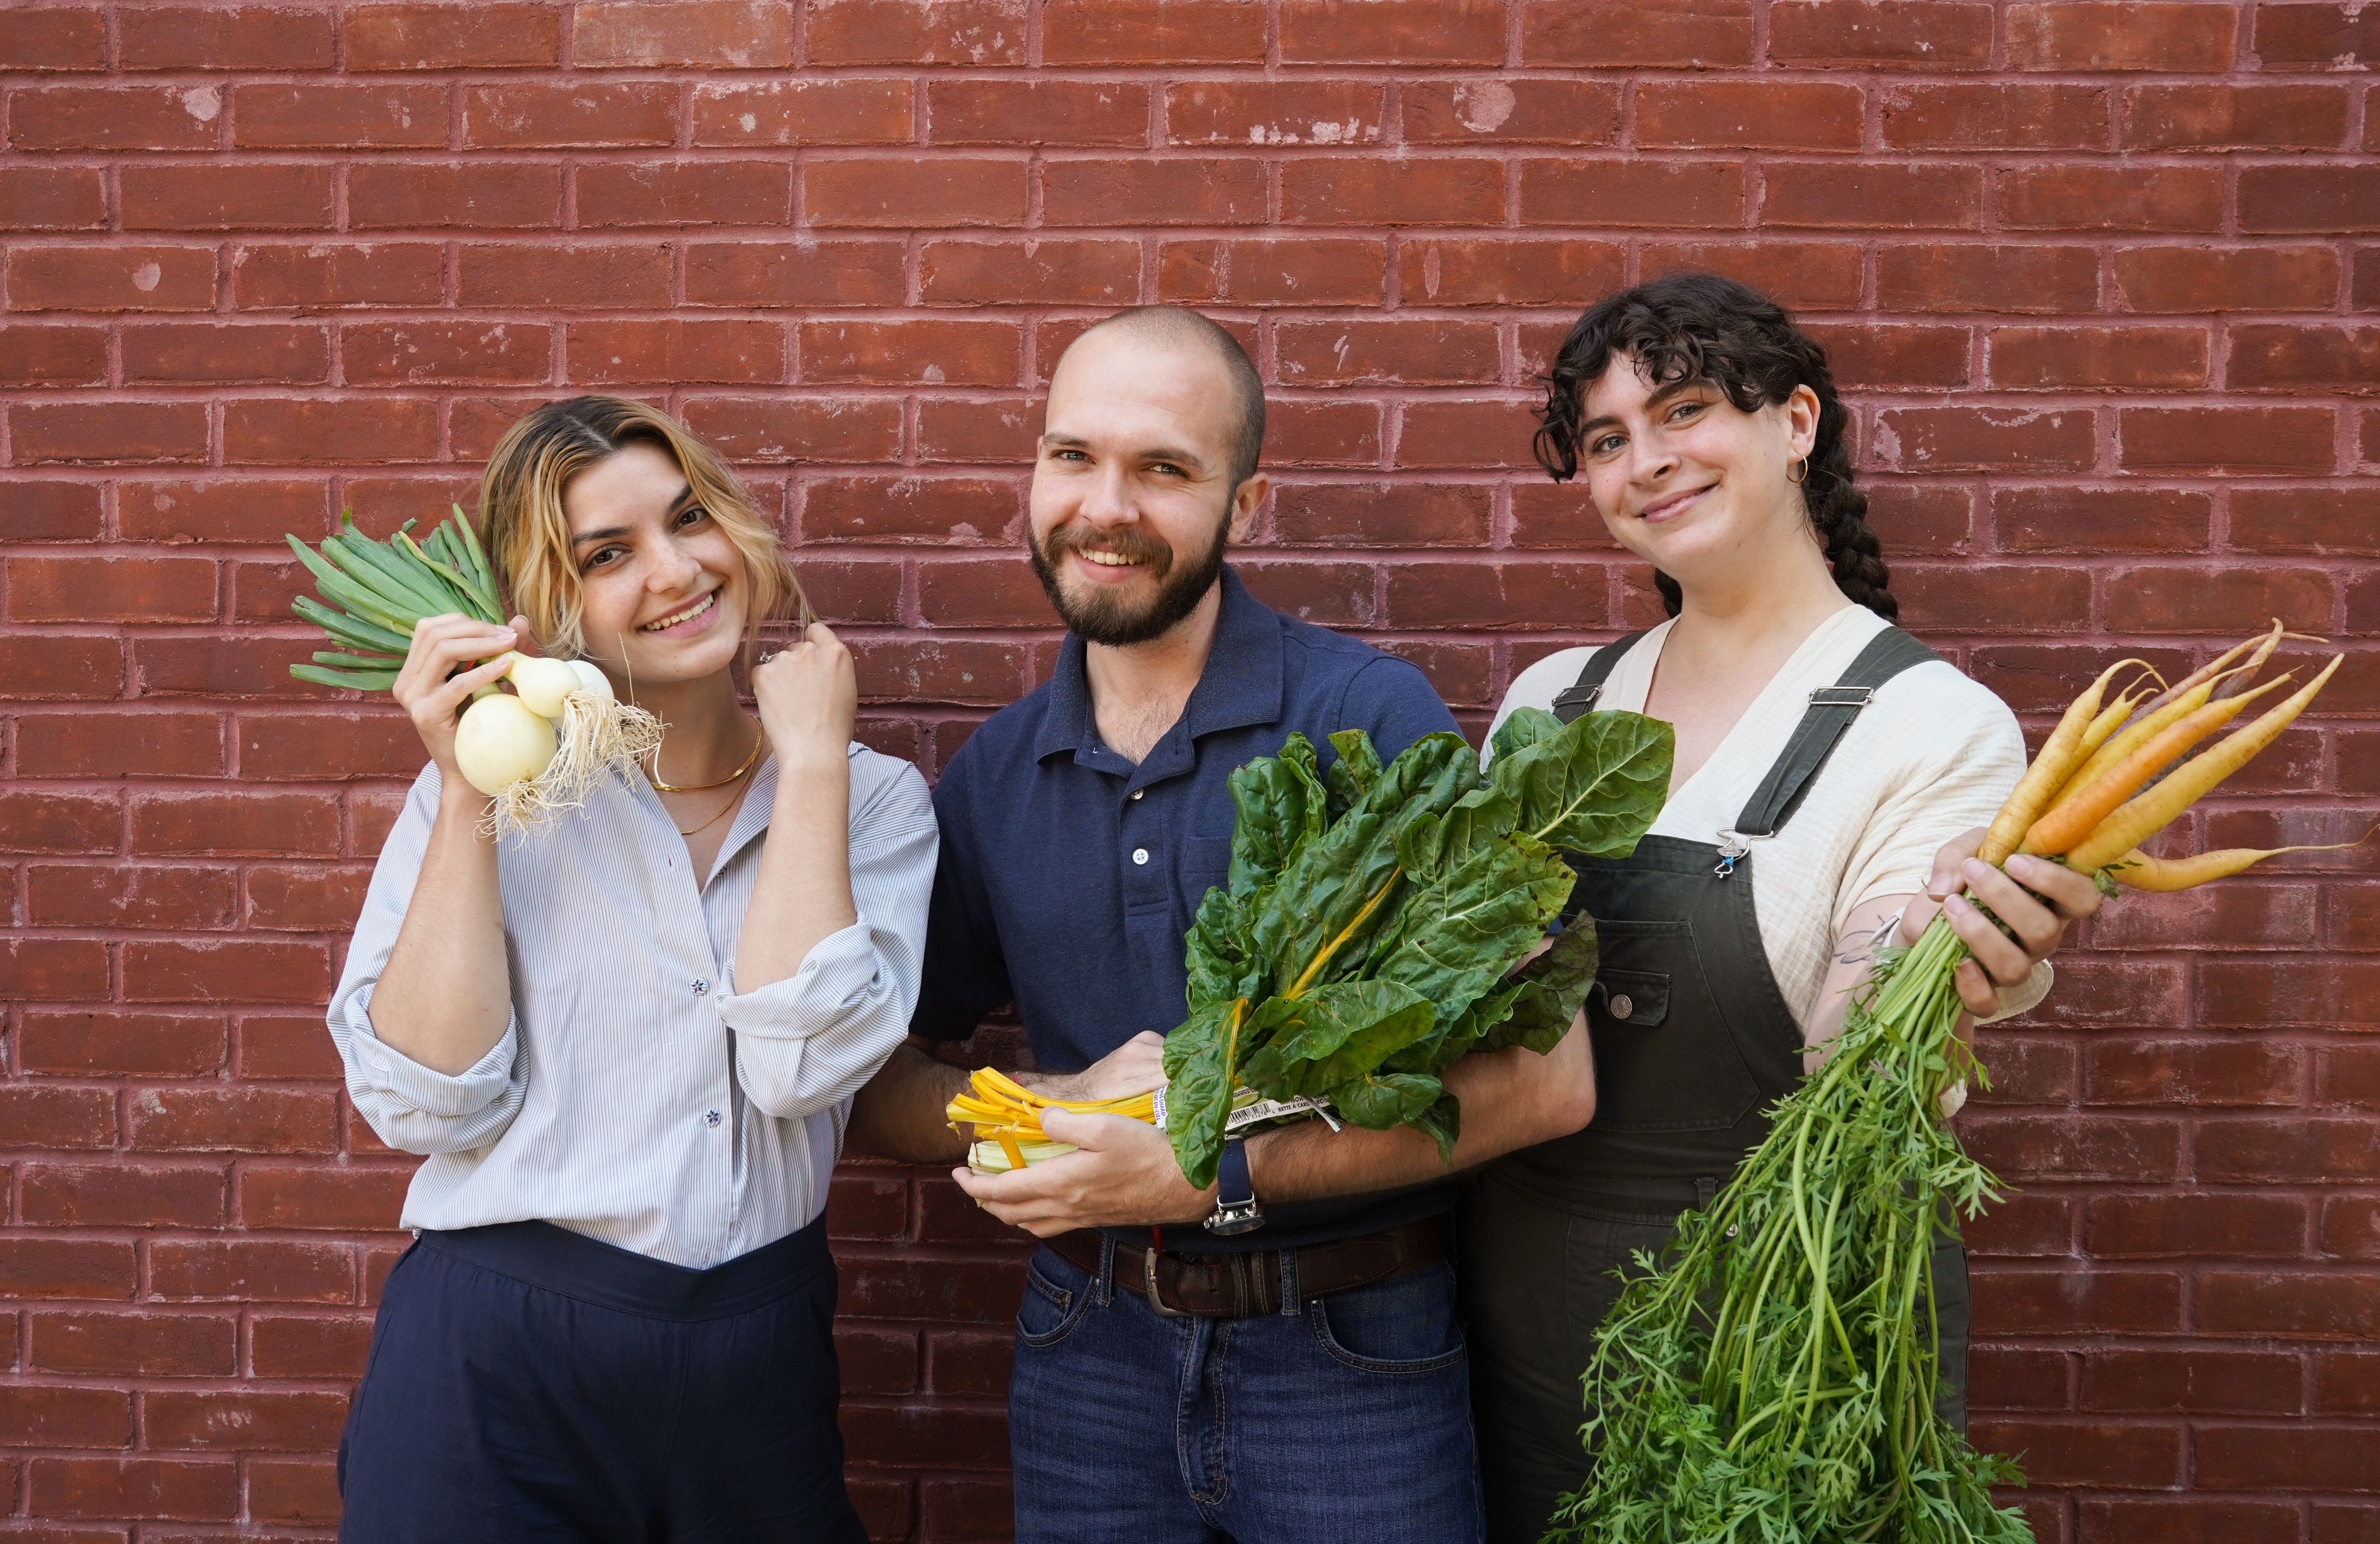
(1345, 1420)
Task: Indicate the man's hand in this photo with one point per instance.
(2036, 897)
(1135, 1067)
(1125, 1174)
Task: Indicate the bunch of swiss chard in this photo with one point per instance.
(1373, 919)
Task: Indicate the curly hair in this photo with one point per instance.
(1704, 327)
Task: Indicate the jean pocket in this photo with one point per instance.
(1051, 1309)
(1405, 1325)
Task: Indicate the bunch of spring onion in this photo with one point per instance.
(1005, 1117)
(1772, 1377)
(536, 752)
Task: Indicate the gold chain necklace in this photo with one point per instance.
(723, 809)
(655, 779)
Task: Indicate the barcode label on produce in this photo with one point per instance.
(1258, 1111)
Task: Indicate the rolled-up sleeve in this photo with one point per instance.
(410, 1106)
(811, 1039)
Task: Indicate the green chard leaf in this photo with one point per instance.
(1594, 786)
(1353, 774)
(1279, 803)
(1378, 1102)
(1443, 1123)
(1461, 928)
(1202, 1074)
(1219, 952)
(1552, 989)
(1335, 1033)
(1523, 728)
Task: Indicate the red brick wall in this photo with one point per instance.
(2098, 276)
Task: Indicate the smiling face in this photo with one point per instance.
(1133, 501)
(662, 588)
(1689, 482)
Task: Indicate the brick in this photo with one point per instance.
(54, 512)
(781, 431)
(61, 1267)
(2234, 117)
(1057, 272)
(2308, 1150)
(492, 35)
(52, 198)
(43, 355)
(961, 353)
(478, 195)
(1753, 115)
(1327, 594)
(1801, 275)
(1415, 351)
(317, 275)
(1575, 114)
(953, 190)
(1293, 271)
(2093, 520)
(2316, 37)
(970, 1364)
(1118, 191)
(2305, 360)
(110, 589)
(115, 117)
(1907, 355)
(1610, 34)
(2002, 1379)
(111, 279)
(2250, 279)
(277, 1420)
(306, 898)
(1008, 113)
(525, 114)
(34, 969)
(300, 1490)
(2192, 1073)
(955, 671)
(936, 510)
(2188, 1520)
(242, 37)
(1632, 192)
(342, 1199)
(34, 1416)
(2018, 1147)
(261, 196)
(1271, 112)
(247, 1269)
(685, 193)
(1303, 434)
(1379, 514)
(2284, 1458)
(2350, 1074)
(1112, 34)
(151, 1344)
(597, 275)
(130, 895)
(1998, 115)
(308, 1346)
(93, 1043)
(1931, 35)
(235, 1120)
(42, 1118)
(813, 111)
(1456, 433)
(106, 434)
(2095, 1453)
(2140, 359)
(1423, 32)
(999, 431)
(2195, 1226)
(676, 350)
(246, 823)
(55, 38)
(173, 1489)
(1983, 439)
(982, 592)
(123, 1196)
(2023, 1226)
(330, 431)
(2280, 200)
(197, 353)
(2085, 197)
(957, 1436)
(2098, 36)
(239, 970)
(338, 118)
(1485, 595)
(2285, 441)
(721, 34)
(774, 274)
(977, 33)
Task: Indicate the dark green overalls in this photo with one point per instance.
(1692, 1045)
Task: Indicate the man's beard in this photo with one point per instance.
(1102, 617)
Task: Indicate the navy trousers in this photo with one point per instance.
(530, 1383)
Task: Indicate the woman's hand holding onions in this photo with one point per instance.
(451, 657)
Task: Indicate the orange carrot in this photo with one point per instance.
(2152, 811)
(2048, 772)
(2134, 733)
(2073, 818)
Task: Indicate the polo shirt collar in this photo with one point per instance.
(1240, 687)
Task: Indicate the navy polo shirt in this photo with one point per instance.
(1068, 875)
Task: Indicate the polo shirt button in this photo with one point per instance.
(1137, 792)
(1140, 854)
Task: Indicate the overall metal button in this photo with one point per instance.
(1622, 1004)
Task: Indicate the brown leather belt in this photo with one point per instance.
(1240, 1284)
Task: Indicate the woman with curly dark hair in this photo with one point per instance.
(1831, 781)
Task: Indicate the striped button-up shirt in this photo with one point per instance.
(637, 1097)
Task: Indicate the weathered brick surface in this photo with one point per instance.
(2099, 276)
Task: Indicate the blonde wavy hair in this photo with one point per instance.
(529, 535)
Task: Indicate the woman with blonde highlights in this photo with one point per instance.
(629, 1047)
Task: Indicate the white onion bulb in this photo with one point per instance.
(543, 683)
(591, 679)
(501, 741)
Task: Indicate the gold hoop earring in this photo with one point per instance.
(1804, 465)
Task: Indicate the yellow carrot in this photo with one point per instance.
(2048, 772)
(2074, 817)
(2152, 811)
(2137, 733)
(2137, 871)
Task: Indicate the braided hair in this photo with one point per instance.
(1704, 327)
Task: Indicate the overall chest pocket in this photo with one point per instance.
(1664, 1058)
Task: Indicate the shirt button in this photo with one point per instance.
(1137, 792)
(710, 1117)
(1140, 854)
(1622, 1005)
(700, 986)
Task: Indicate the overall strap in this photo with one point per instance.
(1831, 711)
(1581, 694)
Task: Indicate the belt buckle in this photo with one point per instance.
(1148, 1287)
